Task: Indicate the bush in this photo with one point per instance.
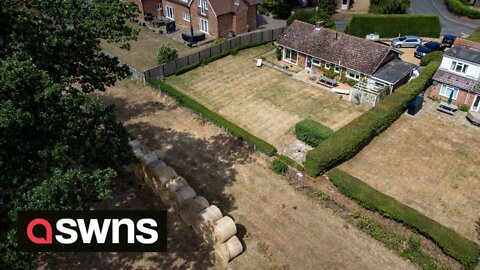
(310, 16)
(389, 6)
(350, 139)
(415, 241)
(279, 166)
(329, 73)
(457, 6)
(166, 54)
(180, 71)
(215, 118)
(290, 162)
(278, 52)
(426, 25)
(311, 132)
(454, 245)
(475, 36)
(433, 56)
(464, 108)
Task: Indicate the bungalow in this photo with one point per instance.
(376, 67)
(459, 75)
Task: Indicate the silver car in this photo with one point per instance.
(407, 42)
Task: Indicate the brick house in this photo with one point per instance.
(149, 6)
(459, 73)
(218, 18)
(375, 66)
(341, 4)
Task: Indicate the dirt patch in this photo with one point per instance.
(280, 227)
(430, 163)
(266, 102)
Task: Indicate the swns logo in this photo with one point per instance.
(92, 231)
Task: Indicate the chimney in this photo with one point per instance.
(319, 25)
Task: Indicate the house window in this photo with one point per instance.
(352, 74)
(169, 12)
(186, 16)
(327, 65)
(204, 26)
(159, 6)
(316, 62)
(447, 90)
(337, 68)
(203, 6)
(290, 56)
(459, 67)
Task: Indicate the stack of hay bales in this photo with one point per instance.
(206, 220)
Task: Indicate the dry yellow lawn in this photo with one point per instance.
(430, 163)
(264, 101)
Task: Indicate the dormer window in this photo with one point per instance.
(459, 67)
(237, 2)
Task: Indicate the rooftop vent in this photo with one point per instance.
(319, 25)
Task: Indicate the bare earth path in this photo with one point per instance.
(281, 228)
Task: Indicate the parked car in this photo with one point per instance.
(448, 40)
(428, 47)
(407, 42)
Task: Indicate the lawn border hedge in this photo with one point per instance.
(391, 25)
(463, 250)
(351, 138)
(312, 132)
(215, 118)
(456, 6)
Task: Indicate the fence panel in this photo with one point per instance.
(205, 53)
(193, 58)
(181, 62)
(245, 39)
(267, 35)
(169, 68)
(216, 49)
(256, 37)
(226, 46)
(277, 32)
(234, 42)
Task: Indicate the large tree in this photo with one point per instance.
(60, 145)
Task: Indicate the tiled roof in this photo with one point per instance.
(338, 48)
(221, 7)
(466, 43)
(453, 79)
(465, 53)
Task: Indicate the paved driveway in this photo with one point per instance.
(451, 23)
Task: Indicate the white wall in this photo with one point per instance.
(473, 70)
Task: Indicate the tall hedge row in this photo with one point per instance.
(453, 244)
(425, 25)
(457, 6)
(215, 118)
(350, 139)
(311, 132)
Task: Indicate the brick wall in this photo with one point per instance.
(150, 6)
(464, 97)
(240, 19)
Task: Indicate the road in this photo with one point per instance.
(451, 23)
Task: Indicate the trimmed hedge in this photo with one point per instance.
(290, 162)
(215, 118)
(429, 57)
(310, 16)
(350, 139)
(425, 25)
(457, 6)
(311, 132)
(233, 51)
(279, 167)
(465, 251)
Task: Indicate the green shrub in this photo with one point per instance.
(415, 241)
(279, 166)
(426, 25)
(454, 245)
(278, 52)
(350, 139)
(464, 108)
(215, 118)
(219, 40)
(310, 16)
(166, 54)
(180, 71)
(329, 73)
(290, 162)
(311, 132)
(429, 57)
(475, 36)
(389, 6)
(457, 6)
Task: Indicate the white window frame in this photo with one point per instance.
(356, 74)
(456, 65)
(317, 60)
(446, 89)
(327, 65)
(201, 26)
(186, 16)
(159, 6)
(203, 5)
(337, 69)
(289, 58)
(169, 9)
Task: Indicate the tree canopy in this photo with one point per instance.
(60, 145)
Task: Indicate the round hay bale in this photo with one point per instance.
(151, 173)
(183, 195)
(176, 183)
(188, 211)
(164, 175)
(224, 229)
(209, 215)
(149, 158)
(233, 248)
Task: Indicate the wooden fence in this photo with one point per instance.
(167, 69)
(137, 74)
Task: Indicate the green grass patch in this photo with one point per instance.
(311, 132)
(290, 162)
(475, 36)
(389, 6)
(346, 142)
(454, 245)
(425, 25)
(215, 118)
(457, 6)
(279, 167)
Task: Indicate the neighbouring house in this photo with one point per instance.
(376, 68)
(341, 4)
(218, 18)
(459, 75)
(153, 7)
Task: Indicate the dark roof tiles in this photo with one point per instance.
(455, 80)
